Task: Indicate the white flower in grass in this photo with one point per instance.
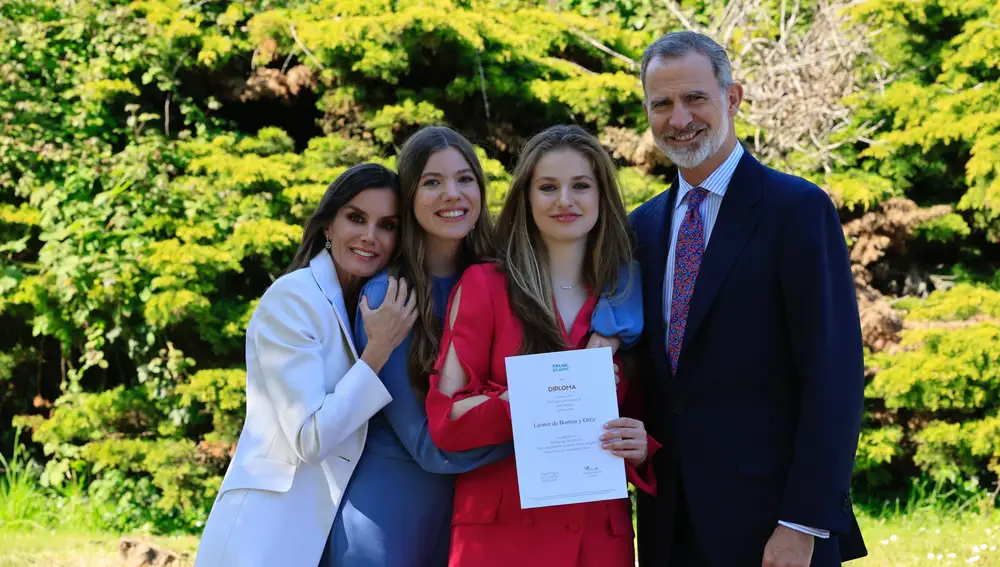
(972, 559)
(893, 537)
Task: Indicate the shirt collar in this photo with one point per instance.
(717, 182)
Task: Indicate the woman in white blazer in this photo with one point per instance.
(309, 395)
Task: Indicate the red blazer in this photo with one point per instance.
(488, 525)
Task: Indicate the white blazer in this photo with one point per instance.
(309, 398)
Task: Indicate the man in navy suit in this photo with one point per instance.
(755, 383)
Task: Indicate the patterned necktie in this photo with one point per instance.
(687, 260)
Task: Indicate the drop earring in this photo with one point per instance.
(329, 245)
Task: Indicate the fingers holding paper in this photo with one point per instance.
(626, 438)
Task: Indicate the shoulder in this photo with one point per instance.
(792, 192)
(651, 209)
(295, 287)
(293, 298)
(375, 289)
(484, 278)
(477, 292)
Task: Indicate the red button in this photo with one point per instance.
(573, 528)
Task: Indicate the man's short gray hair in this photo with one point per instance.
(678, 44)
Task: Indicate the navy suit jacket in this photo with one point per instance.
(761, 422)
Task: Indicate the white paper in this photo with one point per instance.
(559, 403)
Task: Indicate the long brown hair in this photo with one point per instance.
(345, 187)
(525, 260)
(477, 246)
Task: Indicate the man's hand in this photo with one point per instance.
(788, 548)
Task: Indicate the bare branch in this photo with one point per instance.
(584, 36)
(166, 115)
(482, 86)
(575, 65)
(675, 9)
(295, 36)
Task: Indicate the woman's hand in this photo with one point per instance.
(626, 438)
(598, 341)
(388, 325)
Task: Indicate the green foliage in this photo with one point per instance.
(958, 303)
(941, 387)
(947, 103)
(158, 159)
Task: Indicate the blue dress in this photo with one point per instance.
(396, 511)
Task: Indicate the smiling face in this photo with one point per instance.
(564, 196)
(363, 233)
(447, 202)
(689, 113)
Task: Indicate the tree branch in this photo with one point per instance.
(583, 35)
(675, 9)
(295, 36)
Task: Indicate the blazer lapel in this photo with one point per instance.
(655, 255)
(730, 235)
(325, 273)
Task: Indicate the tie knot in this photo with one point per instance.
(695, 196)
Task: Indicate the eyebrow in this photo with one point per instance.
(578, 177)
(698, 92)
(436, 174)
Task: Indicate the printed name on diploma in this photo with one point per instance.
(566, 422)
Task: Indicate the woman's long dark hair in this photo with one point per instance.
(345, 187)
(477, 246)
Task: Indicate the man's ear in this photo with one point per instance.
(734, 97)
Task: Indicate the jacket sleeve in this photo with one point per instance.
(822, 316)
(472, 338)
(290, 356)
(621, 314)
(642, 477)
(406, 414)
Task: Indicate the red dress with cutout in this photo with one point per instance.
(489, 528)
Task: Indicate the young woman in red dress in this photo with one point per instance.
(563, 233)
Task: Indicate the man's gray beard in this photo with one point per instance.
(693, 157)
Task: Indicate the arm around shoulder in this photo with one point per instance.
(406, 414)
(459, 422)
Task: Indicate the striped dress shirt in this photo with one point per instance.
(716, 184)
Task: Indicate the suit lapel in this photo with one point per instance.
(325, 274)
(655, 256)
(731, 232)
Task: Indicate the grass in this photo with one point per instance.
(902, 541)
(59, 548)
(925, 539)
(57, 527)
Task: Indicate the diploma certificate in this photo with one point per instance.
(559, 403)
